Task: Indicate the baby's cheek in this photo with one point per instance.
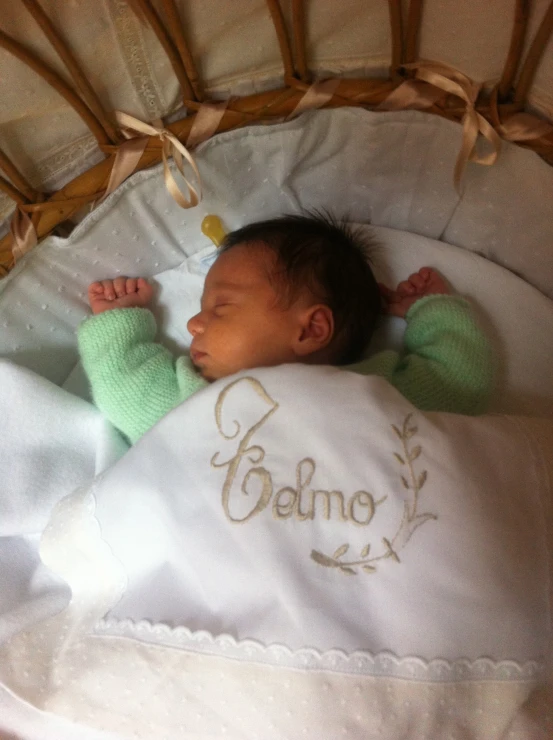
(231, 348)
(244, 352)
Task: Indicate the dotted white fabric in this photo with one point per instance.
(182, 696)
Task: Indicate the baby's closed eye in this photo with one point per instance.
(221, 308)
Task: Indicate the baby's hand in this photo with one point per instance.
(119, 293)
(426, 281)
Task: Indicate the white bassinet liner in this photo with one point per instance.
(351, 162)
(315, 165)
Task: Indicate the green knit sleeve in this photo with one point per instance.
(134, 380)
(447, 363)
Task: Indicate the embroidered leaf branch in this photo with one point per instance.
(411, 520)
(346, 566)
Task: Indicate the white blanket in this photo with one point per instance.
(299, 530)
(52, 442)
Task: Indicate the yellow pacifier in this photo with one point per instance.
(213, 229)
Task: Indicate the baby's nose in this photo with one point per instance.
(195, 324)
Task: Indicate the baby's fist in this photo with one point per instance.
(119, 293)
(425, 282)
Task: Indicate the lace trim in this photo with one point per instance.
(137, 59)
(61, 165)
(360, 662)
(57, 168)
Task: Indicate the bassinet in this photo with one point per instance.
(205, 68)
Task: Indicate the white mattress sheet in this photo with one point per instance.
(517, 317)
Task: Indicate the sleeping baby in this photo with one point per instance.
(291, 289)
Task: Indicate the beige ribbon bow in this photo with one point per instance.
(129, 153)
(432, 80)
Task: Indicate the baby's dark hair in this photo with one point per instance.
(331, 259)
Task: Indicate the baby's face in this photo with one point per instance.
(241, 324)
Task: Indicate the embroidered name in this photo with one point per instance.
(304, 502)
(301, 501)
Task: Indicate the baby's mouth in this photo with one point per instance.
(197, 356)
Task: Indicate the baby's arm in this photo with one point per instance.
(447, 363)
(134, 380)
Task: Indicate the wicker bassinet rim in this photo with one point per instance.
(55, 210)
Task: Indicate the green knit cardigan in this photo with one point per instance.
(446, 364)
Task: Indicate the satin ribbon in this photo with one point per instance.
(206, 122)
(205, 125)
(129, 153)
(24, 236)
(524, 127)
(432, 81)
(318, 94)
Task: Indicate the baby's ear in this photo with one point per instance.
(316, 330)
